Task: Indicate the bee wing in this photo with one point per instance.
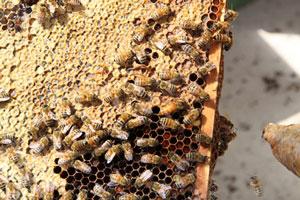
(4, 99)
(146, 175)
(6, 141)
(109, 156)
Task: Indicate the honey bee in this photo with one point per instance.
(179, 162)
(48, 116)
(204, 140)
(128, 151)
(37, 192)
(7, 140)
(143, 178)
(117, 179)
(26, 179)
(67, 124)
(192, 116)
(206, 68)
(161, 13)
(144, 81)
(189, 24)
(205, 39)
(140, 109)
(85, 97)
(223, 38)
(256, 185)
(220, 26)
(114, 96)
(183, 182)
(15, 158)
(170, 75)
(163, 46)
(3, 182)
(43, 15)
(147, 142)
(162, 190)
(67, 157)
(103, 194)
(4, 96)
(198, 92)
(94, 125)
(136, 122)
(179, 39)
(197, 157)
(227, 46)
(168, 88)
(94, 141)
(103, 148)
(125, 57)
(39, 146)
(137, 91)
(73, 135)
(68, 195)
(82, 195)
(141, 57)
(120, 134)
(170, 123)
(112, 152)
(151, 159)
(129, 197)
(11, 191)
(81, 166)
(198, 57)
(123, 119)
(67, 108)
(73, 3)
(141, 33)
(57, 140)
(49, 191)
(37, 126)
(173, 107)
(230, 15)
(80, 146)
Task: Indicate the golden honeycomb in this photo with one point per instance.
(75, 52)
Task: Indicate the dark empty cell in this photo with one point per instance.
(186, 149)
(3, 20)
(153, 126)
(168, 180)
(187, 132)
(90, 195)
(148, 50)
(90, 185)
(157, 27)
(100, 175)
(173, 140)
(139, 133)
(153, 1)
(176, 115)
(85, 181)
(128, 169)
(87, 156)
(204, 17)
(94, 170)
(172, 147)
(155, 178)
(193, 77)
(92, 177)
(165, 143)
(64, 174)
(161, 175)
(180, 197)
(163, 167)
(122, 171)
(141, 170)
(155, 55)
(135, 165)
(100, 181)
(151, 22)
(195, 129)
(167, 135)
(106, 179)
(69, 187)
(160, 139)
(164, 151)
(156, 170)
(78, 176)
(139, 193)
(56, 194)
(200, 81)
(160, 131)
(107, 171)
(152, 195)
(134, 173)
(214, 9)
(71, 170)
(153, 134)
(194, 146)
(179, 152)
(180, 136)
(96, 198)
(188, 194)
(77, 184)
(146, 190)
(179, 144)
(212, 16)
(187, 141)
(154, 118)
(169, 172)
(20, 13)
(70, 179)
(18, 28)
(76, 191)
(197, 104)
(216, 2)
(57, 169)
(28, 10)
(209, 24)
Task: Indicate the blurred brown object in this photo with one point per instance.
(285, 143)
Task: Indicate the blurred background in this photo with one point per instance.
(261, 85)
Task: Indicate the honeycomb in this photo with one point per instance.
(77, 54)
